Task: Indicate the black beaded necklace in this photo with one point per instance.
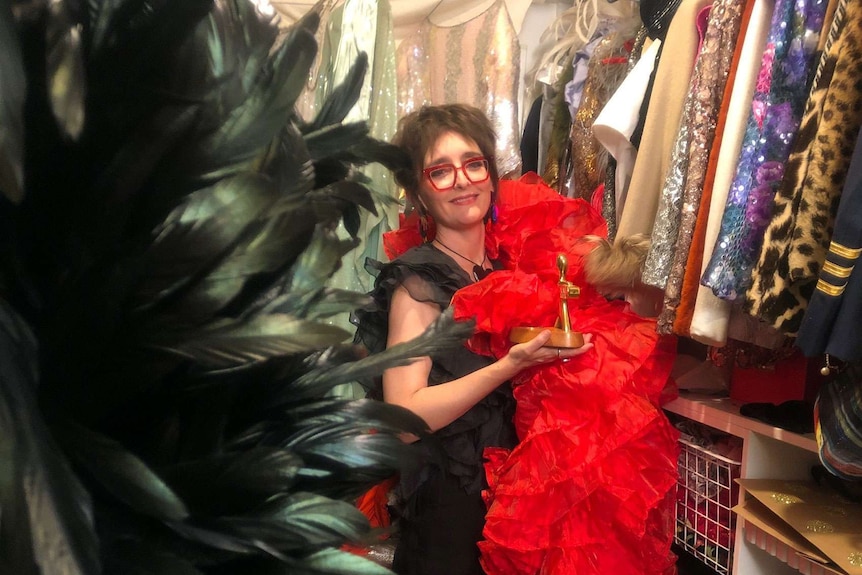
(479, 271)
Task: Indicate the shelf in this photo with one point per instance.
(768, 452)
(720, 413)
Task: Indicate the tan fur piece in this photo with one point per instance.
(616, 268)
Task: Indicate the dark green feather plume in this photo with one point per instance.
(12, 94)
(167, 230)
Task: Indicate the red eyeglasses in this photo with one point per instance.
(443, 176)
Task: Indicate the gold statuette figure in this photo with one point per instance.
(562, 334)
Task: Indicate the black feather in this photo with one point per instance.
(343, 98)
(50, 521)
(167, 351)
(12, 93)
(65, 62)
(441, 336)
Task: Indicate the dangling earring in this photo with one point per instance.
(423, 226)
(492, 210)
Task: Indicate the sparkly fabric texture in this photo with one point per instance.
(353, 27)
(690, 288)
(798, 235)
(478, 63)
(772, 297)
(574, 89)
(658, 258)
(307, 103)
(670, 197)
(780, 95)
(607, 69)
(710, 77)
(609, 198)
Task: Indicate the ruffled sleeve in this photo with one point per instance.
(426, 276)
(430, 276)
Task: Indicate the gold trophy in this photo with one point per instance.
(561, 334)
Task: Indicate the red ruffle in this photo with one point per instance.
(589, 488)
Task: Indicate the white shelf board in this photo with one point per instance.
(720, 413)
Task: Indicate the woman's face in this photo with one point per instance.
(465, 204)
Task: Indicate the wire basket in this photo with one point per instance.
(706, 491)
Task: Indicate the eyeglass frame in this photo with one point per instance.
(426, 172)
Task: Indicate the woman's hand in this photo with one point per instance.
(534, 352)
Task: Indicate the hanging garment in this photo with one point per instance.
(673, 180)
(661, 125)
(592, 433)
(307, 103)
(831, 322)
(607, 69)
(798, 235)
(344, 39)
(694, 260)
(680, 200)
(351, 28)
(607, 201)
(710, 78)
(530, 138)
(711, 315)
(779, 99)
(616, 123)
(618, 176)
(476, 63)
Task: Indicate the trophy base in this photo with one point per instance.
(559, 337)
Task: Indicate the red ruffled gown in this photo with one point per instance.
(590, 487)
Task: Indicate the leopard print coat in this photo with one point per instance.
(797, 239)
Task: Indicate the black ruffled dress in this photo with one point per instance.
(443, 512)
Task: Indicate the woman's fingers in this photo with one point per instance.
(536, 352)
(564, 353)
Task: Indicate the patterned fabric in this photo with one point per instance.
(665, 103)
(710, 320)
(838, 424)
(476, 63)
(607, 69)
(667, 214)
(831, 323)
(778, 103)
(609, 198)
(797, 238)
(714, 66)
(616, 125)
(694, 262)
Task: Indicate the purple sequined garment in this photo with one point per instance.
(779, 98)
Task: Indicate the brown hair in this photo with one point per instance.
(419, 130)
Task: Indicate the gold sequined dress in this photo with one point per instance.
(476, 62)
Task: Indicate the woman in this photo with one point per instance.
(465, 398)
(589, 488)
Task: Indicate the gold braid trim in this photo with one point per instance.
(836, 270)
(844, 251)
(830, 289)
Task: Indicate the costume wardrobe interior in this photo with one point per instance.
(719, 137)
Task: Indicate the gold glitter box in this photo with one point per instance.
(813, 520)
